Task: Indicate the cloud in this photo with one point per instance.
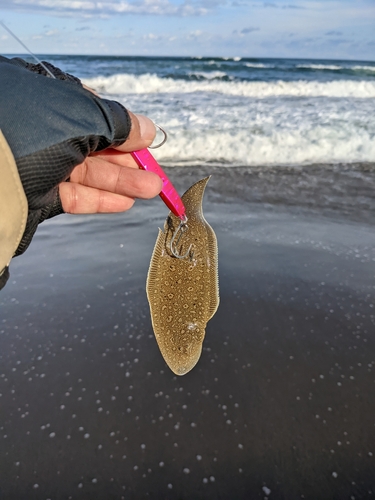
(333, 33)
(246, 31)
(196, 34)
(106, 8)
(286, 6)
(47, 33)
(290, 6)
(151, 36)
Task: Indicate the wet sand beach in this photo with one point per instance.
(281, 404)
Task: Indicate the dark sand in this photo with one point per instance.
(282, 402)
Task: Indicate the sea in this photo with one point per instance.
(243, 111)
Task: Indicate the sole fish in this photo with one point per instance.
(184, 293)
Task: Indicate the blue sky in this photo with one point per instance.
(338, 29)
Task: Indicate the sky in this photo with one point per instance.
(320, 29)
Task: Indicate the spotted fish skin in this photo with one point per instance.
(184, 293)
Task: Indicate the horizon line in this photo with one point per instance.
(235, 58)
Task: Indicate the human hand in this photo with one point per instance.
(109, 181)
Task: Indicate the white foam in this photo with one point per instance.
(329, 67)
(122, 84)
(333, 67)
(252, 123)
(209, 75)
(231, 130)
(320, 144)
(258, 65)
(363, 68)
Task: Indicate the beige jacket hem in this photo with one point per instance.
(13, 205)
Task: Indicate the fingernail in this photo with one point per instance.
(147, 128)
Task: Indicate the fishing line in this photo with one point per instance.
(145, 161)
(28, 50)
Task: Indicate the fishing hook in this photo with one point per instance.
(181, 228)
(164, 140)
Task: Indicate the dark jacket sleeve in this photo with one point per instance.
(52, 125)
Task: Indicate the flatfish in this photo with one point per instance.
(183, 293)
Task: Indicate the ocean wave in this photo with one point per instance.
(199, 58)
(122, 84)
(281, 147)
(209, 75)
(329, 67)
(333, 67)
(363, 68)
(259, 65)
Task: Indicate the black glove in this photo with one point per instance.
(51, 126)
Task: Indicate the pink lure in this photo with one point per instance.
(168, 194)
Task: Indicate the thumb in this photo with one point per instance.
(141, 135)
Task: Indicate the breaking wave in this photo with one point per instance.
(121, 84)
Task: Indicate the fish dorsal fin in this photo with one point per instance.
(153, 275)
(214, 282)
